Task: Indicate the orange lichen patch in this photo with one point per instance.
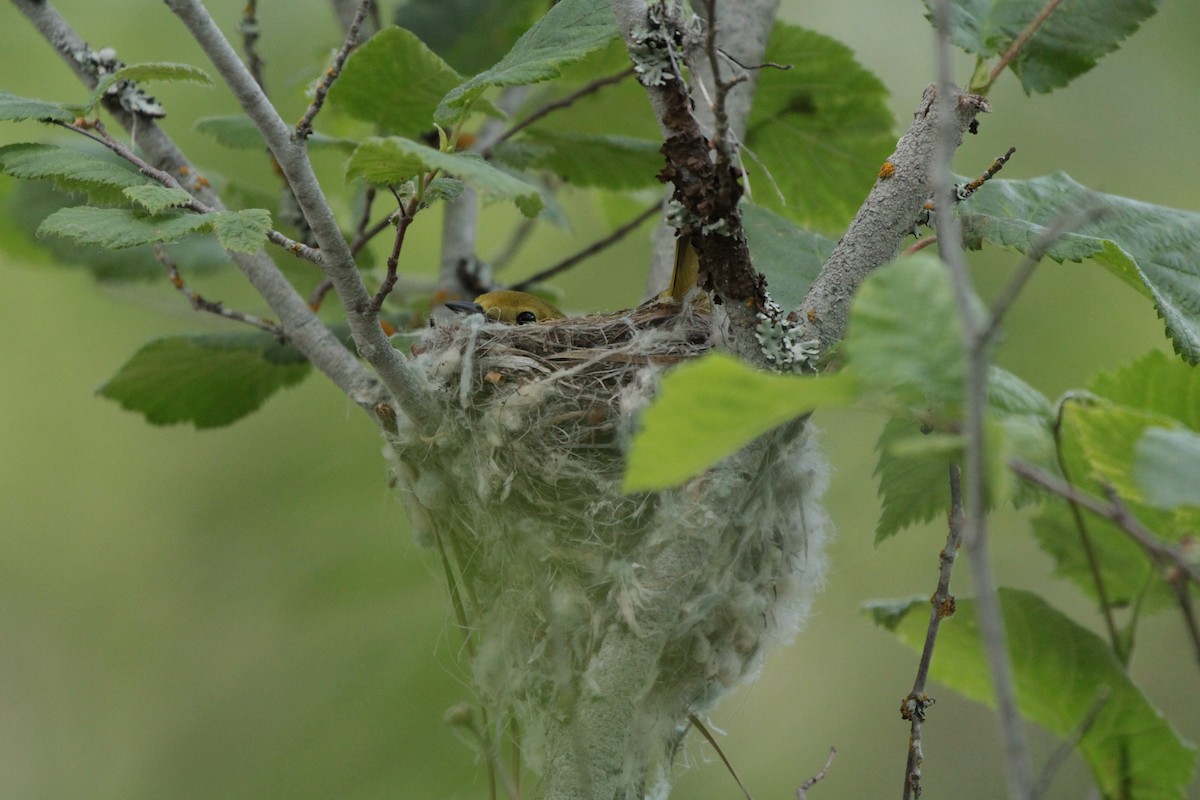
(887, 170)
(388, 328)
(812, 315)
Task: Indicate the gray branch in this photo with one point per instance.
(373, 345)
(303, 329)
(887, 216)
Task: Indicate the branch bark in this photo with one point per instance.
(304, 330)
(397, 374)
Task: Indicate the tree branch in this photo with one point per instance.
(304, 330)
(373, 345)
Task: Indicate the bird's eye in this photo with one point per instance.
(525, 317)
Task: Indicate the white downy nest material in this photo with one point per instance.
(521, 489)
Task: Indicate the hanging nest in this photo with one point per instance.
(520, 490)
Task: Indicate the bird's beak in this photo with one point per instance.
(464, 307)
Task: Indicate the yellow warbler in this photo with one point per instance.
(505, 305)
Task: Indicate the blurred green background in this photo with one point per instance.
(242, 612)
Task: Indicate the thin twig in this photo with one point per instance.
(698, 725)
(1015, 48)
(942, 604)
(1085, 540)
(1064, 750)
(304, 126)
(1064, 224)
(802, 791)
(920, 244)
(987, 605)
(200, 303)
(561, 103)
(515, 241)
(405, 218)
(591, 250)
(250, 31)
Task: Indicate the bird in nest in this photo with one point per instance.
(521, 308)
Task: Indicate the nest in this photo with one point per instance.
(520, 489)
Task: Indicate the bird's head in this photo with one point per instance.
(505, 305)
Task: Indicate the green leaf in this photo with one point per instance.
(117, 228)
(1153, 248)
(904, 340)
(470, 34)
(27, 203)
(18, 109)
(821, 130)
(103, 178)
(568, 32)
(1166, 466)
(1108, 434)
(209, 381)
(913, 468)
(149, 72)
(395, 160)
(789, 257)
(395, 82)
(238, 132)
(1154, 383)
(155, 198)
(710, 408)
(1060, 669)
(1067, 45)
(242, 231)
(602, 161)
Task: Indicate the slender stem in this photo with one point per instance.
(251, 31)
(304, 126)
(920, 244)
(708, 737)
(942, 605)
(407, 213)
(561, 103)
(201, 303)
(372, 343)
(1064, 750)
(591, 250)
(1015, 48)
(802, 790)
(989, 614)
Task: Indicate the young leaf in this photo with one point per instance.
(1154, 249)
(155, 198)
(1060, 669)
(789, 257)
(19, 109)
(1166, 467)
(568, 32)
(103, 178)
(602, 161)
(821, 130)
(904, 340)
(395, 160)
(395, 82)
(1155, 383)
(242, 231)
(1067, 44)
(209, 381)
(148, 72)
(117, 228)
(711, 407)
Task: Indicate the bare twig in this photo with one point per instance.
(920, 244)
(1172, 560)
(1051, 234)
(250, 32)
(802, 791)
(592, 249)
(988, 612)
(913, 707)
(200, 303)
(700, 726)
(304, 126)
(1085, 540)
(1064, 750)
(371, 342)
(564, 102)
(1022, 38)
(405, 217)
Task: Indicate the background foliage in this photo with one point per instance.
(241, 612)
